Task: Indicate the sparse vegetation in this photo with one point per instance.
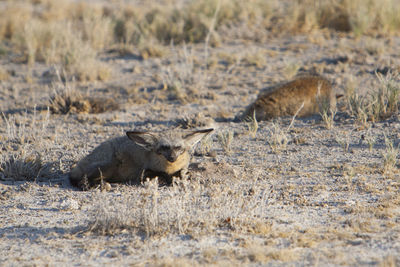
(389, 156)
(225, 138)
(71, 34)
(378, 105)
(328, 117)
(278, 138)
(252, 125)
(257, 192)
(23, 167)
(66, 99)
(206, 145)
(344, 140)
(190, 208)
(371, 140)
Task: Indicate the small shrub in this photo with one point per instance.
(183, 80)
(225, 139)
(385, 101)
(328, 116)
(252, 125)
(389, 156)
(378, 105)
(68, 100)
(344, 140)
(277, 139)
(371, 140)
(23, 167)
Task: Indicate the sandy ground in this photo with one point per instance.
(321, 199)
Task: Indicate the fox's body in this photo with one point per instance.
(139, 154)
(312, 92)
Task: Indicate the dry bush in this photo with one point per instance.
(72, 33)
(198, 120)
(187, 207)
(389, 156)
(183, 80)
(13, 18)
(328, 117)
(66, 99)
(359, 17)
(278, 138)
(385, 101)
(72, 102)
(101, 24)
(73, 43)
(379, 104)
(23, 135)
(24, 166)
(152, 50)
(252, 124)
(225, 139)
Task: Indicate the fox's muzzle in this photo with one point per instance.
(172, 157)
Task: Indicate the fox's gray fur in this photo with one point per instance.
(137, 155)
(307, 95)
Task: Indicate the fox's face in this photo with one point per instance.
(170, 144)
(170, 152)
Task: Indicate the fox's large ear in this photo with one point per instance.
(192, 138)
(144, 139)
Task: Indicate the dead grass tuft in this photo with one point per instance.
(278, 138)
(378, 105)
(225, 139)
(73, 104)
(389, 156)
(24, 166)
(187, 207)
(198, 120)
(68, 100)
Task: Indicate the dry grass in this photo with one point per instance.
(68, 32)
(243, 205)
(26, 140)
(278, 138)
(185, 79)
(379, 104)
(23, 167)
(389, 156)
(225, 138)
(328, 117)
(66, 99)
(190, 207)
(252, 125)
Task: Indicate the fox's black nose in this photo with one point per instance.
(171, 157)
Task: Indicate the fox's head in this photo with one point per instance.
(170, 144)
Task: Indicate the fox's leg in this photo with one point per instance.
(164, 177)
(183, 173)
(92, 175)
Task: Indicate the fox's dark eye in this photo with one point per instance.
(164, 148)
